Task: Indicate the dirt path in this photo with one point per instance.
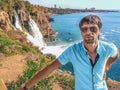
(11, 67)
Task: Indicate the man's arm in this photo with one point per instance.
(42, 74)
(110, 61)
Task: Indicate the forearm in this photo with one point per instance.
(43, 73)
(110, 61)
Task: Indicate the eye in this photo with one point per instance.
(93, 29)
(84, 29)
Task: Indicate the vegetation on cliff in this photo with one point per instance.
(14, 41)
(11, 47)
(24, 9)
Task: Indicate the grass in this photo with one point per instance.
(11, 47)
(33, 67)
(66, 82)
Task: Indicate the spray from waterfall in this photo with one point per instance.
(37, 39)
(36, 36)
(17, 22)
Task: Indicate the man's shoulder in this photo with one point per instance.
(107, 44)
(77, 45)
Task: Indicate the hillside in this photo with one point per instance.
(24, 10)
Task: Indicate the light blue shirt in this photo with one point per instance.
(88, 77)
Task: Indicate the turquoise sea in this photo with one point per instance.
(68, 33)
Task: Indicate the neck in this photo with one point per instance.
(91, 47)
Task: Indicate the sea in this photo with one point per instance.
(68, 33)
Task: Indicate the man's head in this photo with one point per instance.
(90, 28)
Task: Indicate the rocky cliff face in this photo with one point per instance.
(39, 14)
(24, 9)
(5, 23)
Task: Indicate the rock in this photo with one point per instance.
(5, 23)
(112, 84)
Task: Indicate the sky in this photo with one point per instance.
(80, 4)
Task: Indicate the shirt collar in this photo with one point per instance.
(85, 50)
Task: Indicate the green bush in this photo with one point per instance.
(33, 67)
(65, 81)
(11, 47)
(45, 84)
(5, 43)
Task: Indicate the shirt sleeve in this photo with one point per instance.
(113, 50)
(66, 56)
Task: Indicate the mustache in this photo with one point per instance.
(88, 35)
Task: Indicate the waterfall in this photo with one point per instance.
(17, 22)
(36, 38)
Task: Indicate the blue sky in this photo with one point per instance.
(99, 4)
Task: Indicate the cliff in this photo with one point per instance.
(5, 23)
(24, 9)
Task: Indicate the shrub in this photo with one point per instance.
(66, 82)
(33, 67)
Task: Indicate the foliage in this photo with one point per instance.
(6, 44)
(11, 47)
(65, 81)
(7, 5)
(45, 84)
(28, 6)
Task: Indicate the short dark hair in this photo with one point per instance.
(91, 19)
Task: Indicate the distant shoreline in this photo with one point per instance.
(69, 11)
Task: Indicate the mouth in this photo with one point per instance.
(89, 37)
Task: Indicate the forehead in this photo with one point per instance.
(89, 24)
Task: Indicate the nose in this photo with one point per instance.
(88, 31)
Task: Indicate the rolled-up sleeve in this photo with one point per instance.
(66, 56)
(113, 50)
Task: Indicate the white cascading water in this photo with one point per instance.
(17, 22)
(36, 34)
(37, 39)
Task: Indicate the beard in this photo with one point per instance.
(89, 39)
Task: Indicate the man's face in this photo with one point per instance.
(90, 32)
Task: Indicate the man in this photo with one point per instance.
(90, 58)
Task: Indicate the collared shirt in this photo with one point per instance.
(87, 76)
